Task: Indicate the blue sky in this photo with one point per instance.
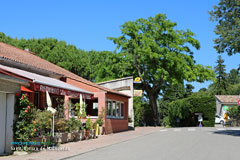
(87, 24)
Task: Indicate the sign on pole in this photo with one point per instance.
(137, 80)
(137, 93)
(239, 102)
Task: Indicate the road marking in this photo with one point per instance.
(221, 129)
(191, 129)
(163, 130)
(177, 130)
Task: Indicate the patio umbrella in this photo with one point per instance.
(52, 110)
(81, 104)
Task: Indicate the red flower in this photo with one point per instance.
(22, 97)
(28, 107)
(17, 94)
(35, 130)
(26, 111)
(34, 122)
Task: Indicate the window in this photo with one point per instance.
(122, 109)
(115, 109)
(36, 99)
(109, 108)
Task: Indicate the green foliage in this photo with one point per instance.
(92, 65)
(43, 122)
(142, 112)
(185, 108)
(233, 77)
(160, 54)
(221, 85)
(60, 125)
(101, 117)
(227, 16)
(89, 124)
(234, 112)
(24, 126)
(60, 108)
(81, 110)
(73, 125)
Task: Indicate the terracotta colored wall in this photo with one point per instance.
(111, 125)
(116, 125)
(82, 85)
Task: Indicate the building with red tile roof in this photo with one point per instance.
(114, 103)
(223, 102)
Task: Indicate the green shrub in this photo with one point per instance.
(185, 110)
(44, 122)
(60, 125)
(89, 124)
(24, 127)
(234, 112)
(142, 112)
(72, 125)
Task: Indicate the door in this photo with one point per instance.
(3, 107)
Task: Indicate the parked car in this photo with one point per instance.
(219, 119)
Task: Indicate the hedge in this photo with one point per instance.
(185, 110)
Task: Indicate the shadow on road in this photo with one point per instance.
(228, 132)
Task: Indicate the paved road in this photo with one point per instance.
(174, 144)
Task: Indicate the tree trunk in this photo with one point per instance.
(153, 102)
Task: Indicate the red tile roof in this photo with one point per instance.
(18, 55)
(228, 98)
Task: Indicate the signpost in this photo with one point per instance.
(239, 102)
(137, 80)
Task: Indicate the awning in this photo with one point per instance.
(52, 85)
(24, 89)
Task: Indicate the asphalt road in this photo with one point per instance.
(174, 144)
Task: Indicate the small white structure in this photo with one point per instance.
(124, 85)
(9, 86)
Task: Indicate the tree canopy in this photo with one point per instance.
(227, 16)
(92, 65)
(160, 55)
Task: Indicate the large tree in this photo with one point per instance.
(227, 16)
(221, 85)
(160, 55)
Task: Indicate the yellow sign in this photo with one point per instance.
(137, 80)
(137, 93)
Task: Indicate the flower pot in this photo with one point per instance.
(70, 137)
(62, 137)
(93, 133)
(37, 140)
(81, 135)
(87, 134)
(100, 130)
(76, 136)
(46, 141)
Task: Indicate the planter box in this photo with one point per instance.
(87, 134)
(93, 133)
(76, 136)
(81, 135)
(38, 141)
(46, 141)
(70, 137)
(62, 137)
(100, 130)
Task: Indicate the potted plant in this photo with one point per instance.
(43, 122)
(24, 127)
(61, 127)
(100, 122)
(88, 128)
(80, 109)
